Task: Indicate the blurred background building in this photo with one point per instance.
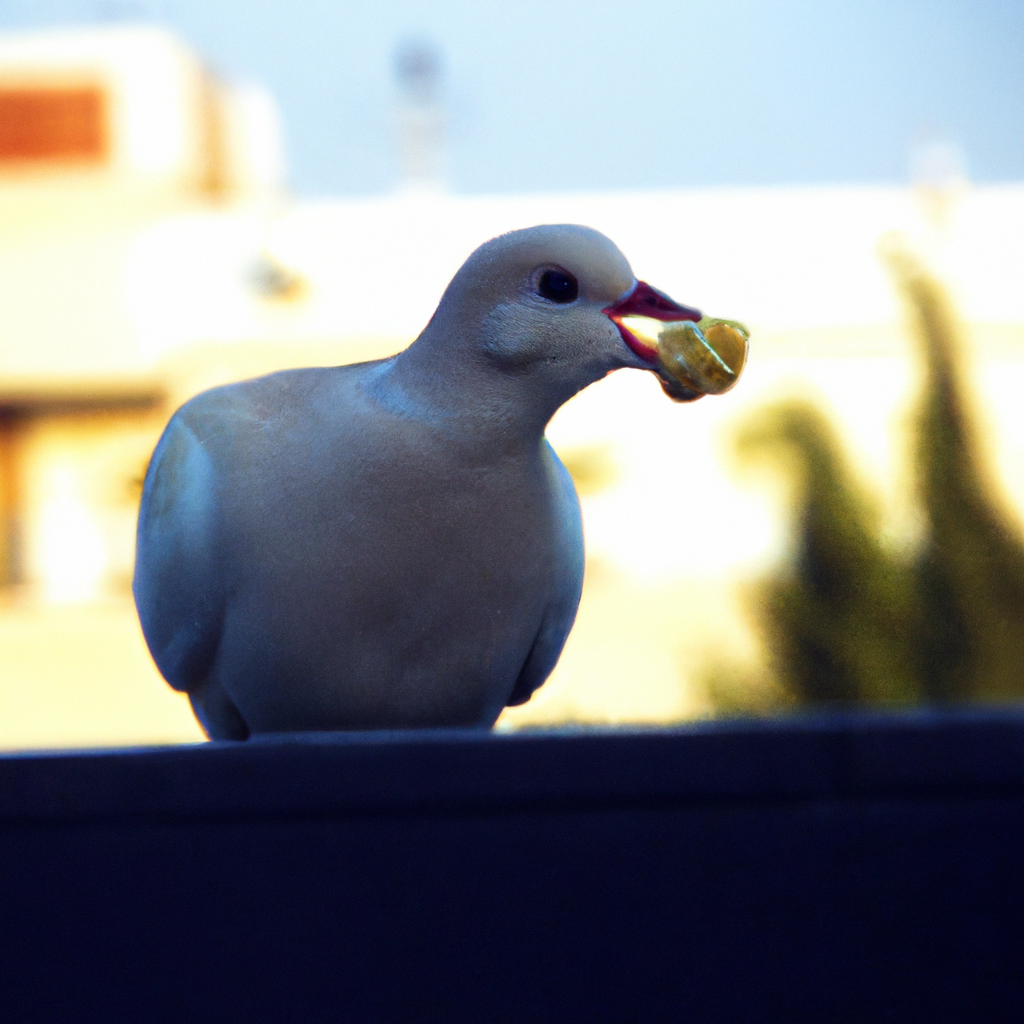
(149, 248)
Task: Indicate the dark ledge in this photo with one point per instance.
(314, 774)
(863, 867)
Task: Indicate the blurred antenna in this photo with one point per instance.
(937, 163)
(421, 116)
(938, 174)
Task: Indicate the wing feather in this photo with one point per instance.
(560, 612)
(178, 590)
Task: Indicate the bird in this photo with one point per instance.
(391, 544)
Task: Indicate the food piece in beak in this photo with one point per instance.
(703, 358)
(693, 355)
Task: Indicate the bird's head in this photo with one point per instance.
(558, 306)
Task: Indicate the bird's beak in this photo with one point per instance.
(692, 355)
(640, 303)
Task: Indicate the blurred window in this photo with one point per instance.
(52, 124)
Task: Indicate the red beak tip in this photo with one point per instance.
(643, 300)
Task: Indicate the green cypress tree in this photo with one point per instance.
(839, 619)
(847, 621)
(971, 567)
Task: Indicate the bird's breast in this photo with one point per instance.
(390, 582)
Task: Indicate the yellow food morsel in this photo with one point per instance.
(705, 357)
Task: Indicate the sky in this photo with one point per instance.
(615, 94)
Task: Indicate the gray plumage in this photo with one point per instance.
(388, 544)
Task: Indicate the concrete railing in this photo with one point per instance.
(859, 867)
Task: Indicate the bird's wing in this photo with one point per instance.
(178, 588)
(560, 612)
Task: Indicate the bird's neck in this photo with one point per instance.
(453, 386)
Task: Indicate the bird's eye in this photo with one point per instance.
(558, 286)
